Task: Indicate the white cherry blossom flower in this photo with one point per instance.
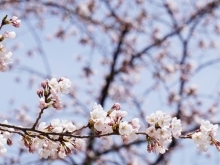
(163, 133)
(42, 126)
(97, 112)
(152, 119)
(162, 128)
(132, 136)
(176, 127)
(207, 127)
(55, 122)
(99, 124)
(201, 141)
(151, 131)
(10, 35)
(163, 119)
(121, 114)
(135, 123)
(160, 149)
(53, 83)
(62, 154)
(125, 128)
(44, 153)
(107, 129)
(80, 144)
(68, 126)
(64, 85)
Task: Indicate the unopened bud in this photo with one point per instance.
(44, 84)
(40, 92)
(116, 106)
(9, 142)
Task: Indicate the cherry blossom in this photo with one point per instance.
(125, 128)
(49, 95)
(15, 21)
(206, 136)
(64, 85)
(162, 128)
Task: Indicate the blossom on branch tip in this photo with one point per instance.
(97, 112)
(64, 85)
(49, 95)
(162, 128)
(111, 121)
(206, 127)
(205, 136)
(15, 21)
(54, 146)
(53, 83)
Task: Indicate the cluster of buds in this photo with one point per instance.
(54, 146)
(49, 94)
(15, 21)
(161, 130)
(5, 54)
(111, 122)
(5, 138)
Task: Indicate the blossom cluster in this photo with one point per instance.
(111, 122)
(5, 138)
(5, 54)
(205, 136)
(49, 94)
(161, 130)
(53, 146)
(59, 139)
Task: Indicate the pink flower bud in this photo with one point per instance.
(44, 84)
(116, 106)
(40, 92)
(15, 21)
